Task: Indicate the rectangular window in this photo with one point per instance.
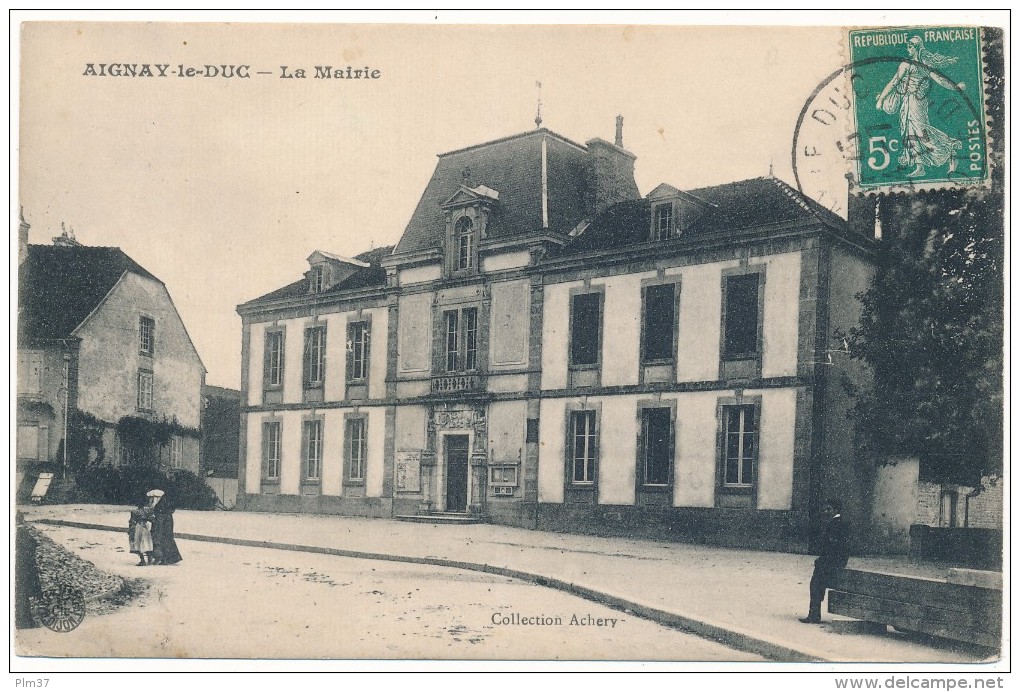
(312, 443)
(740, 436)
(33, 442)
(134, 453)
(660, 323)
(271, 450)
(146, 336)
(585, 323)
(274, 358)
(316, 278)
(464, 250)
(176, 452)
(656, 445)
(470, 338)
(30, 369)
(663, 221)
(144, 390)
(315, 356)
(357, 349)
(356, 449)
(740, 333)
(129, 455)
(582, 432)
(452, 321)
(461, 339)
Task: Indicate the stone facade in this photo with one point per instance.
(100, 334)
(550, 350)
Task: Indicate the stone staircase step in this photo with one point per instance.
(440, 518)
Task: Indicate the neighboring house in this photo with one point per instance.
(221, 420)
(99, 334)
(546, 348)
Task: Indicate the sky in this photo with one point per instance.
(223, 187)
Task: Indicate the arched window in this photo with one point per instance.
(464, 234)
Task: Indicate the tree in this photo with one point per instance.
(932, 332)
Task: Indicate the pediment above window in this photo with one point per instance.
(467, 196)
(326, 270)
(673, 211)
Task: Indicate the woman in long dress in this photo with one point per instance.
(164, 547)
(922, 144)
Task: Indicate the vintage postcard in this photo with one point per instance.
(445, 343)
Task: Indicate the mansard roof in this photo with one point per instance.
(364, 277)
(511, 167)
(60, 286)
(733, 206)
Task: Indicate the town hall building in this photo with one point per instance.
(547, 348)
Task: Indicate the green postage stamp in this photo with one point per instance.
(918, 107)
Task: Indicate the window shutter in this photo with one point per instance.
(266, 357)
(152, 337)
(322, 355)
(306, 430)
(307, 357)
(350, 350)
(265, 450)
(347, 448)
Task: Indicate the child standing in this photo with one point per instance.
(139, 537)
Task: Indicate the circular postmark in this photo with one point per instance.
(875, 125)
(61, 608)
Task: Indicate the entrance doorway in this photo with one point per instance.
(456, 472)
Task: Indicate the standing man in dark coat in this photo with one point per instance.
(832, 558)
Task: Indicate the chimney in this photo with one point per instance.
(23, 227)
(610, 172)
(65, 239)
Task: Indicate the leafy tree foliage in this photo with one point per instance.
(932, 331)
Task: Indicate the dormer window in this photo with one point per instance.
(469, 217)
(317, 279)
(465, 241)
(663, 223)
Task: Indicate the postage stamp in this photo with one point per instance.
(918, 107)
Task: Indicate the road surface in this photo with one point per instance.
(227, 601)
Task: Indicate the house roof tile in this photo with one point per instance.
(729, 207)
(511, 167)
(58, 287)
(366, 277)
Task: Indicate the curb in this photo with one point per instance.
(741, 641)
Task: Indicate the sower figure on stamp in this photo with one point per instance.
(832, 558)
(907, 92)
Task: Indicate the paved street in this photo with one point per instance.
(749, 599)
(227, 601)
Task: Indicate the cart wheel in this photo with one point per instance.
(61, 609)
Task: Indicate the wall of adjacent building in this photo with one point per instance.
(844, 472)
(109, 359)
(40, 413)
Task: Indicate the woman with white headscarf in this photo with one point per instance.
(164, 547)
